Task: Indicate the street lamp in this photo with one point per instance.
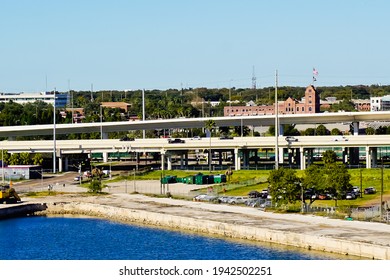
(101, 123)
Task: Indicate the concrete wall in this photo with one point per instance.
(320, 243)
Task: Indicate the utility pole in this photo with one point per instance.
(54, 133)
(143, 111)
(276, 122)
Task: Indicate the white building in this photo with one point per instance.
(47, 97)
(376, 104)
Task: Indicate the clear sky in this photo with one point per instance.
(151, 44)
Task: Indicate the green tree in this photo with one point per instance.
(210, 126)
(284, 186)
(314, 180)
(322, 130)
(37, 159)
(95, 186)
(329, 157)
(335, 131)
(309, 132)
(337, 179)
(370, 131)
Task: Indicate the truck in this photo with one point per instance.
(8, 195)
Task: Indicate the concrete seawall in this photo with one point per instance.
(342, 245)
(19, 210)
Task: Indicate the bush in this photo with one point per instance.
(95, 186)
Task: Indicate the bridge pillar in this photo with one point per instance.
(162, 160)
(374, 156)
(105, 156)
(169, 162)
(353, 155)
(59, 164)
(245, 158)
(302, 158)
(104, 135)
(186, 159)
(368, 157)
(345, 155)
(281, 155)
(281, 130)
(237, 163)
(66, 163)
(182, 161)
(355, 128)
(220, 158)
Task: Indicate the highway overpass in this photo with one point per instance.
(256, 121)
(301, 150)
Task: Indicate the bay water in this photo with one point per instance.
(80, 238)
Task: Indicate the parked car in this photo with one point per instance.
(176, 140)
(369, 190)
(350, 195)
(356, 191)
(254, 194)
(237, 200)
(291, 139)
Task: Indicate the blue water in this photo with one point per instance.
(58, 238)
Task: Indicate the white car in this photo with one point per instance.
(340, 138)
(196, 138)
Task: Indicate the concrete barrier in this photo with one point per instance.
(19, 210)
(302, 240)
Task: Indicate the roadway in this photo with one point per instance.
(256, 121)
(161, 144)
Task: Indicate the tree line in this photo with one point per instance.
(332, 180)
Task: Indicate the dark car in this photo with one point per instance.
(291, 139)
(225, 137)
(369, 190)
(126, 138)
(254, 194)
(176, 140)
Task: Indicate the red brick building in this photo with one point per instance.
(310, 104)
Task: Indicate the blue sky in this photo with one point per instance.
(152, 44)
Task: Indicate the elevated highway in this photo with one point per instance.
(263, 120)
(301, 150)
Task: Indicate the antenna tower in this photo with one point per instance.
(253, 78)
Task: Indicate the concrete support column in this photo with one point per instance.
(354, 156)
(368, 158)
(182, 161)
(374, 156)
(355, 128)
(220, 158)
(237, 162)
(297, 157)
(66, 163)
(186, 159)
(245, 157)
(302, 158)
(60, 164)
(281, 155)
(281, 130)
(105, 156)
(104, 135)
(163, 160)
(345, 155)
(169, 162)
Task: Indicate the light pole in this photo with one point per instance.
(101, 123)
(276, 122)
(54, 133)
